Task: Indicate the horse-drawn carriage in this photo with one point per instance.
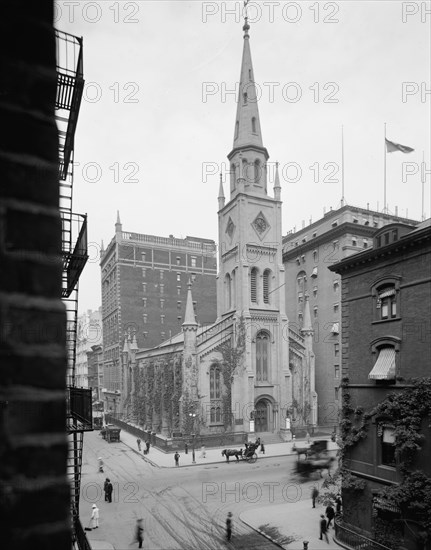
(316, 458)
(249, 454)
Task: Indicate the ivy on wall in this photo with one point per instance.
(406, 410)
(232, 363)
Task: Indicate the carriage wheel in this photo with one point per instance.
(252, 459)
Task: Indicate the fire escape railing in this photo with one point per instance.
(70, 85)
(355, 541)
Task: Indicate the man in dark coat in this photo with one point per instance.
(139, 532)
(105, 488)
(330, 514)
(314, 495)
(177, 458)
(338, 504)
(108, 490)
(323, 529)
(229, 526)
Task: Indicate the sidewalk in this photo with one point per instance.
(289, 524)
(213, 455)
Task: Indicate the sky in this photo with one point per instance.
(158, 112)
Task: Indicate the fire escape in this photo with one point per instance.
(70, 84)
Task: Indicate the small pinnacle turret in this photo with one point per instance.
(221, 199)
(277, 186)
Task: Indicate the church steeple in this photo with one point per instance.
(247, 122)
(247, 134)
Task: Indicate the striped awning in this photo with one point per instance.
(384, 368)
(386, 293)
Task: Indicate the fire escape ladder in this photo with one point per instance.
(74, 464)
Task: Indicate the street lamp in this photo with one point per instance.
(193, 416)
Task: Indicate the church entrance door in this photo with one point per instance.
(262, 416)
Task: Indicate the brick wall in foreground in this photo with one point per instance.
(34, 493)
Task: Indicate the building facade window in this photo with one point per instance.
(315, 292)
(337, 350)
(144, 287)
(163, 335)
(388, 446)
(336, 392)
(144, 302)
(178, 291)
(145, 318)
(387, 302)
(266, 289)
(178, 260)
(143, 256)
(178, 277)
(162, 303)
(162, 274)
(315, 311)
(262, 356)
(336, 371)
(193, 261)
(162, 289)
(253, 285)
(336, 308)
(178, 305)
(144, 272)
(162, 319)
(215, 382)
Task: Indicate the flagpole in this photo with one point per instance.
(342, 165)
(384, 174)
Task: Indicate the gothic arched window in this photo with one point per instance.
(266, 282)
(257, 171)
(215, 386)
(262, 356)
(253, 285)
(228, 291)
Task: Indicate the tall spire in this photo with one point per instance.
(189, 316)
(247, 122)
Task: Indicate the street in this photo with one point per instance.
(182, 508)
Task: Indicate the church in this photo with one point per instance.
(249, 372)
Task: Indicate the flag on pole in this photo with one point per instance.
(391, 146)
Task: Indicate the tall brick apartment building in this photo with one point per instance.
(386, 307)
(307, 254)
(144, 290)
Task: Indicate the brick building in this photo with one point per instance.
(307, 254)
(386, 297)
(144, 288)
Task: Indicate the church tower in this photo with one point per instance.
(251, 273)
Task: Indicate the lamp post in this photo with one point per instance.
(193, 416)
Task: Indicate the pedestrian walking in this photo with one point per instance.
(323, 529)
(262, 447)
(138, 441)
(314, 495)
(330, 514)
(108, 490)
(186, 448)
(203, 452)
(95, 517)
(147, 444)
(100, 459)
(338, 504)
(105, 488)
(139, 532)
(177, 458)
(229, 526)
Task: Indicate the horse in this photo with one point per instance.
(231, 452)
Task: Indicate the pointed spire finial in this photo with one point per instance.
(189, 316)
(246, 26)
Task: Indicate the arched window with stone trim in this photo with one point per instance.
(233, 288)
(253, 125)
(257, 171)
(253, 285)
(215, 382)
(262, 356)
(232, 177)
(266, 285)
(228, 291)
